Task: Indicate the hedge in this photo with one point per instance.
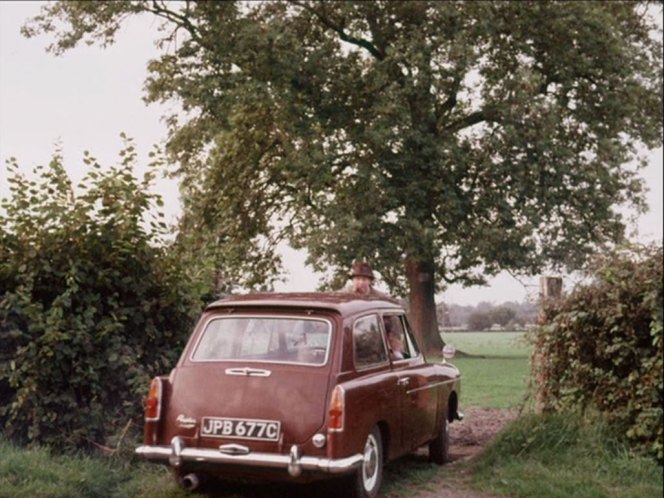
(600, 347)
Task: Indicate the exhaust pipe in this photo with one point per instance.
(190, 482)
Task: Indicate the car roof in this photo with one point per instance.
(345, 303)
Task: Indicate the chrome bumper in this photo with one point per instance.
(294, 462)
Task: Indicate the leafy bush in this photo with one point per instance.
(601, 346)
(92, 304)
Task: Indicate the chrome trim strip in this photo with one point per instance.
(431, 386)
(266, 460)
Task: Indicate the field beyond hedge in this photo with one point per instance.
(494, 366)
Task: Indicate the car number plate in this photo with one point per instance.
(241, 428)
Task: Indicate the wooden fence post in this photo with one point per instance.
(550, 288)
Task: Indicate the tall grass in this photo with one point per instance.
(38, 473)
(559, 456)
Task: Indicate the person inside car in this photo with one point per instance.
(394, 341)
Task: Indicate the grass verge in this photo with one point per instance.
(559, 456)
(38, 473)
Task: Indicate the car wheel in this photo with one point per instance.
(439, 448)
(369, 476)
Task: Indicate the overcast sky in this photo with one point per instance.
(86, 97)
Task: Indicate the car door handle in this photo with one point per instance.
(403, 382)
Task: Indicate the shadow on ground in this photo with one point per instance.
(397, 476)
(332, 488)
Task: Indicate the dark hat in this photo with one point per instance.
(361, 269)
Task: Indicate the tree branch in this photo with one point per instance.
(360, 42)
(451, 101)
(471, 119)
(181, 20)
(464, 278)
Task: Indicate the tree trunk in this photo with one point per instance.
(422, 303)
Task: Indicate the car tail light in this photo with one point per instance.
(336, 410)
(153, 401)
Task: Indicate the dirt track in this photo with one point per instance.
(467, 438)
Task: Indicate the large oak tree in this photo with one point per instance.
(442, 141)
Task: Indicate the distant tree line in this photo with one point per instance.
(485, 315)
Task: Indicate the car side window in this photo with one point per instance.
(410, 339)
(397, 344)
(368, 342)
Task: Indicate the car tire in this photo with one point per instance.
(439, 448)
(368, 478)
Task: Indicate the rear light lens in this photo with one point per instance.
(336, 411)
(153, 401)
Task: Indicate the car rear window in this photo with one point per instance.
(263, 338)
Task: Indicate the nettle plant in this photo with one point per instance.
(601, 347)
(92, 301)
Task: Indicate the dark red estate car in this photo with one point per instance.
(299, 386)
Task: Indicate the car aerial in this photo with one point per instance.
(299, 387)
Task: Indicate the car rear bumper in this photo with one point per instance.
(294, 462)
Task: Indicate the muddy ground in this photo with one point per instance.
(467, 438)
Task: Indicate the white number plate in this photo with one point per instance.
(241, 428)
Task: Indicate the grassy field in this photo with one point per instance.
(494, 366)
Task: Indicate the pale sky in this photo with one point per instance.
(85, 98)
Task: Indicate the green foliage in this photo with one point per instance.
(564, 455)
(92, 303)
(442, 141)
(601, 346)
(470, 136)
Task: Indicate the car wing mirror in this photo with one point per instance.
(448, 352)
